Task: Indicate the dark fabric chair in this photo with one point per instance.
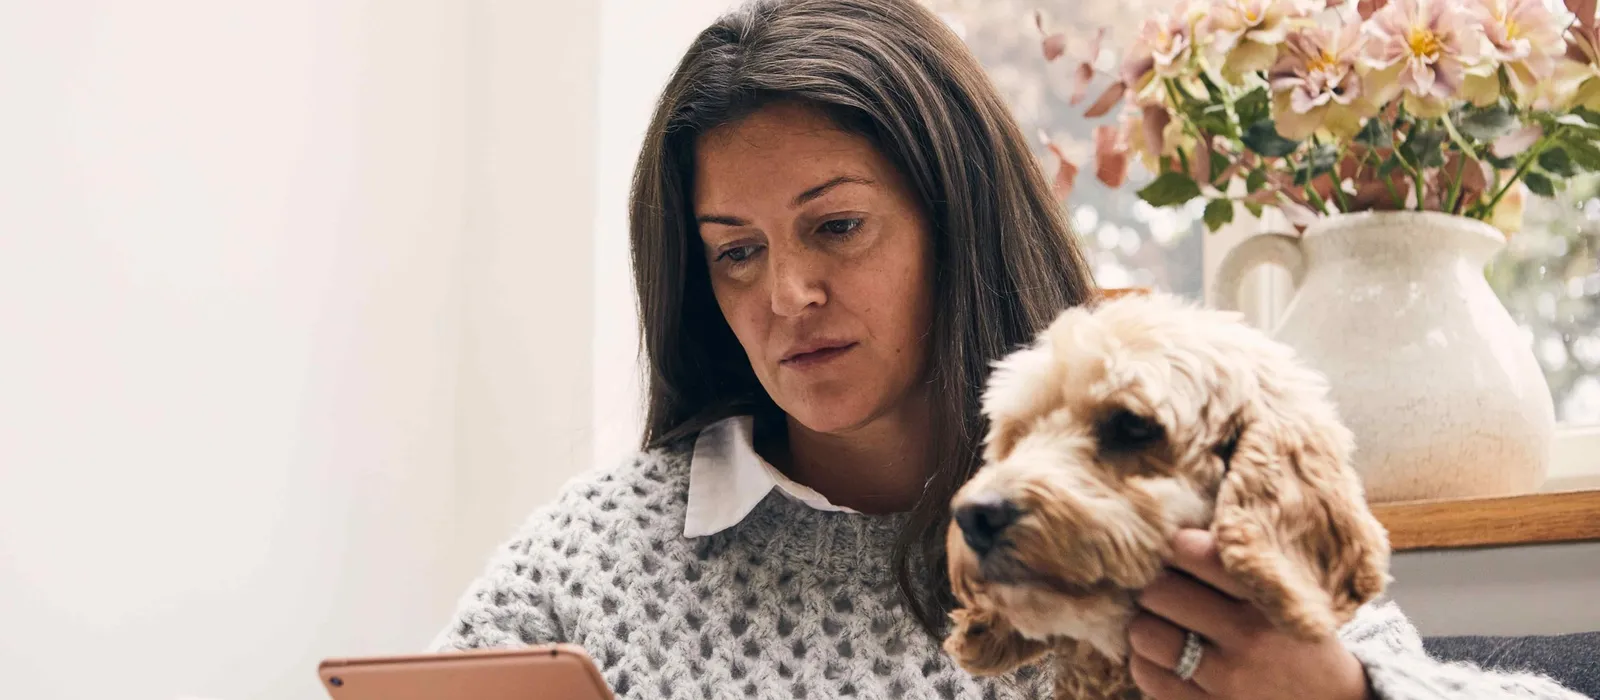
(1571, 659)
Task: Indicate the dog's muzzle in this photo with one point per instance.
(983, 523)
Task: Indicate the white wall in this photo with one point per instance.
(527, 354)
(642, 41)
(293, 325)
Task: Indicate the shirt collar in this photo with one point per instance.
(727, 479)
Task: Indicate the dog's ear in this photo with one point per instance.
(985, 644)
(1292, 523)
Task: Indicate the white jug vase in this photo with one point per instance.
(1427, 368)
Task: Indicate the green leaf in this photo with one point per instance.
(1255, 209)
(1320, 160)
(1571, 121)
(1323, 157)
(1219, 213)
(1488, 123)
(1539, 184)
(1584, 155)
(1425, 147)
(1263, 138)
(1219, 163)
(1170, 190)
(1256, 180)
(1501, 163)
(1555, 161)
(1212, 91)
(1211, 118)
(1254, 106)
(1588, 115)
(1376, 133)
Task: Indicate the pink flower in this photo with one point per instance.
(1577, 79)
(1162, 50)
(1315, 83)
(1424, 48)
(1584, 46)
(1524, 36)
(1244, 34)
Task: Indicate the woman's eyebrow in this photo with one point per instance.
(722, 219)
(799, 200)
(823, 188)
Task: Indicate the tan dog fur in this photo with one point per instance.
(1249, 446)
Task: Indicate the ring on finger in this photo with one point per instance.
(1189, 660)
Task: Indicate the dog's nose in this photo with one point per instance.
(982, 522)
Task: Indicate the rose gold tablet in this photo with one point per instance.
(559, 672)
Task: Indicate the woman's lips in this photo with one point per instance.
(818, 357)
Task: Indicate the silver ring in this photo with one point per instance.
(1189, 660)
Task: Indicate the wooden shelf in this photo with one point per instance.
(1492, 522)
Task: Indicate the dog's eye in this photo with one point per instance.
(1126, 430)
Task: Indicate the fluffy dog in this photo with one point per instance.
(1120, 425)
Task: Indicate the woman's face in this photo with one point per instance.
(820, 259)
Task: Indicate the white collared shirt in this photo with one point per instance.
(727, 479)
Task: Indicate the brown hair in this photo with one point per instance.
(1005, 260)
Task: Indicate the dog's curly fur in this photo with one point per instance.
(1121, 424)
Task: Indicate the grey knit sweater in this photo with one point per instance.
(791, 603)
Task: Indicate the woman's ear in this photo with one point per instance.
(985, 644)
(1293, 525)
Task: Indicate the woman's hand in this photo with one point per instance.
(1244, 657)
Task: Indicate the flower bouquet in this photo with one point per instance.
(1317, 108)
(1387, 133)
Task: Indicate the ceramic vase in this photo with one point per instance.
(1427, 368)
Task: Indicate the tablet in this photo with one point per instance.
(555, 672)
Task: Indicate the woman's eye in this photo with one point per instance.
(840, 227)
(737, 254)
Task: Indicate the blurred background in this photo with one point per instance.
(1548, 276)
(304, 304)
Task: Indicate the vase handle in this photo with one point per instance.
(1261, 249)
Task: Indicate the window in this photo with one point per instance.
(1130, 243)
(1548, 277)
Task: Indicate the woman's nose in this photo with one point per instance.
(797, 285)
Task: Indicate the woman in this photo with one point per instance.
(836, 227)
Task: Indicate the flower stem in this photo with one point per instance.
(1416, 173)
(1522, 169)
(1417, 177)
(1450, 199)
(1174, 83)
(1370, 156)
(1179, 108)
(1172, 94)
(1311, 194)
(1338, 182)
(1455, 135)
(1453, 200)
(1394, 194)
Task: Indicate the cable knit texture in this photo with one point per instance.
(791, 603)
